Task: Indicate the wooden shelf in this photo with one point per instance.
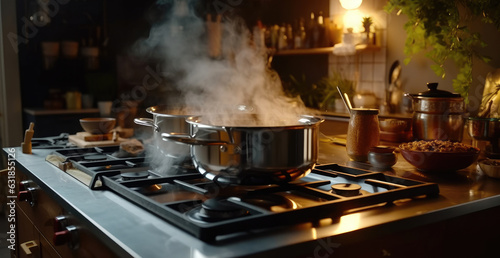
(304, 51)
(42, 112)
(320, 51)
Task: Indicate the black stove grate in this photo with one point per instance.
(175, 197)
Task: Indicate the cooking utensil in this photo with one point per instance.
(486, 129)
(167, 119)
(438, 114)
(244, 154)
(394, 72)
(346, 100)
(394, 91)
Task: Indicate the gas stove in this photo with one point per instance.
(54, 142)
(213, 212)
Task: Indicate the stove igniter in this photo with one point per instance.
(346, 189)
(217, 209)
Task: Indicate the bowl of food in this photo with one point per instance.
(491, 167)
(439, 155)
(98, 125)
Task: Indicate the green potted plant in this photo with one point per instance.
(329, 85)
(308, 92)
(367, 23)
(320, 95)
(439, 28)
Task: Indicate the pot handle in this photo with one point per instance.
(186, 139)
(146, 122)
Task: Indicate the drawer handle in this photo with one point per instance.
(68, 236)
(28, 246)
(60, 223)
(23, 185)
(29, 195)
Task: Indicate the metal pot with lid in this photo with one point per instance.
(438, 114)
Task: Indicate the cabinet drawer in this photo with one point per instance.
(41, 218)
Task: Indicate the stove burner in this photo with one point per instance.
(152, 189)
(216, 209)
(95, 157)
(346, 189)
(134, 175)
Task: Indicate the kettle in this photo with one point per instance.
(437, 114)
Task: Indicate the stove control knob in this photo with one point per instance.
(69, 236)
(60, 223)
(28, 195)
(23, 185)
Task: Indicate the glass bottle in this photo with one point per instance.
(300, 35)
(311, 32)
(363, 133)
(321, 40)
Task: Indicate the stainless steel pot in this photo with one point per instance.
(252, 155)
(168, 120)
(438, 114)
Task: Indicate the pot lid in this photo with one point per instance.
(433, 92)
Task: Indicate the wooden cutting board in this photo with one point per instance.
(79, 139)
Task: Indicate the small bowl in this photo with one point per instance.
(96, 125)
(491, 167)
(440, 161)
(382, 157)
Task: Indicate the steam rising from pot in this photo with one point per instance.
(211, 86)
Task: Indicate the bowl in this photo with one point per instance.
(382, 157)
(491, 167)
(394, 125)
(98, 125)
(437, 161)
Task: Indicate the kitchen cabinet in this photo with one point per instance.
(32, 243)
(46, 230)
(29, 239)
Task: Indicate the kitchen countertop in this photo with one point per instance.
(132, 231)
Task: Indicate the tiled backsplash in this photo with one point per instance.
(368, 68)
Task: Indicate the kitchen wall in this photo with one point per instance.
(417, 73)
(367, 68)
(10, 98)
(371, 69)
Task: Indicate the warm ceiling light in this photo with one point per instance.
(352, 19)
(350, 4)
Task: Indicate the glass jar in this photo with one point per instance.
(363, 133)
